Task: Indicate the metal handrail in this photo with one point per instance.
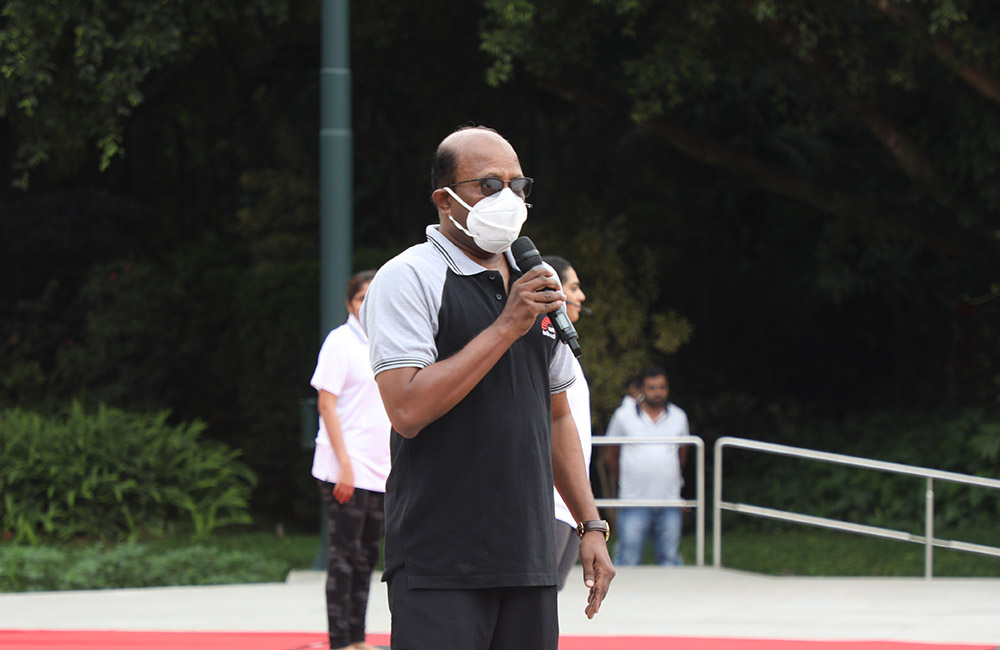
(928, 539)
(699, 501)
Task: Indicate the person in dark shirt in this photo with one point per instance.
(473, 379)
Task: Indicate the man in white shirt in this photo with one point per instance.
(649, 471)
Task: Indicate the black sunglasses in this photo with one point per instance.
(491, 185)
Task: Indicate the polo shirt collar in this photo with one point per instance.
(641, 412)
(354, 325)
(457, 260)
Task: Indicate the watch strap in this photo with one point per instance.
(594, 525)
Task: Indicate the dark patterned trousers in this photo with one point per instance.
(355, 529)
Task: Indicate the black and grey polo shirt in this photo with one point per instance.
(469, 499)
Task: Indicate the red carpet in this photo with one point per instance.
(90, 640)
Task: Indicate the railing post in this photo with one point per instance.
(929, 530)
(700, 496)
(930, 475)
(717, 506)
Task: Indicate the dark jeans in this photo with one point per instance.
(355, 529)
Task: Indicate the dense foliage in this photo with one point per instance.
(115, 475)
(817, 181)
(28, 568)
(793, 205)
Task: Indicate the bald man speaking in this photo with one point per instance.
(474, 379)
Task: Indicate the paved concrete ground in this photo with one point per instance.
(644, 601)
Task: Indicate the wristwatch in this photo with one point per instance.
(593, 525)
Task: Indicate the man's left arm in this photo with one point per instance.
(570, 472)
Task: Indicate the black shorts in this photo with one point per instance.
(502, 618)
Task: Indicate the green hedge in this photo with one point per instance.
(114, 475)
(44, 568)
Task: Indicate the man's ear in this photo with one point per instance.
(442, 200)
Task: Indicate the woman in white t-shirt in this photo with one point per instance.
(578, 394)
(351, 464)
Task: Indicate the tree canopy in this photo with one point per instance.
(854, 144)
(792, 205)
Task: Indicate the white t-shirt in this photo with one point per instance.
(343, 368)
(649, 471)
(578, 395)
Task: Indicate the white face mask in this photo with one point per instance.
(495, 222)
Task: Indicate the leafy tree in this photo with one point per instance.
(791, 204)
(76, 72)
(866, 131)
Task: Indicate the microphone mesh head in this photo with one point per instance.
(525, 254)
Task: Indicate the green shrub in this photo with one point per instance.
(43, 568)
(113, 475)
(21, 567)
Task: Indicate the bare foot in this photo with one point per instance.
(362, 646)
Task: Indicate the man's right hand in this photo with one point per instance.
(536, 292)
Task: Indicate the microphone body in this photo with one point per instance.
(528, 257)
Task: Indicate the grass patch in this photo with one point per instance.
(294, 551)
(785, 549)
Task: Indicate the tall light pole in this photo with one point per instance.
(336, 173)
(336, 193)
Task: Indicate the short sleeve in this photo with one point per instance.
(331, 366)
(562, 369)
(686, 428)
(399, 315)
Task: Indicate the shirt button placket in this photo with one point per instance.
(492, 277)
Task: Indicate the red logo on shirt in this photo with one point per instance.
(547, 328)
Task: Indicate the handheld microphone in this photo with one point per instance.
(583, 310)
(527, 257)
